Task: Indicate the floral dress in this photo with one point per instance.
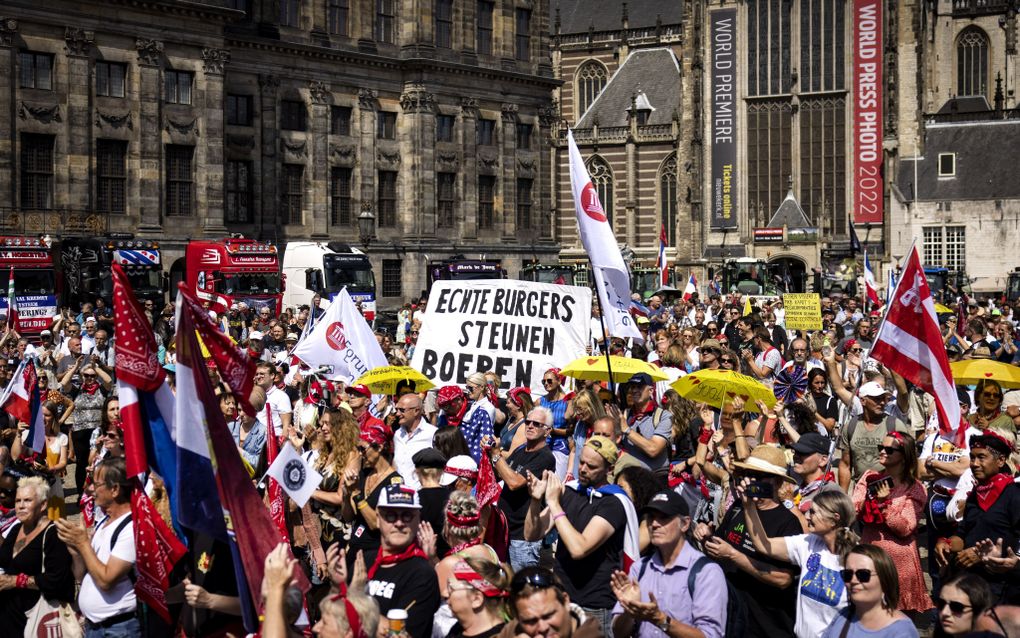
(893, 527)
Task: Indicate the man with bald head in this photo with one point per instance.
(414, 434)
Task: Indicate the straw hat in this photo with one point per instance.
(766, 459)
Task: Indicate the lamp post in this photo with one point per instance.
(366, 227)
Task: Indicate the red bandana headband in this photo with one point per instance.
(462, 521)
(463, 572)
(514, 395)
(462, 472)
(375, 434)
(448, 394)
(559, 375)
(353, 619)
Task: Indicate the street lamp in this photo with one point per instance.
(366, 227)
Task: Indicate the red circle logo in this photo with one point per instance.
(590, 203)
(335, 336)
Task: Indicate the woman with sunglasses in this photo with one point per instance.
(477, 590)
(89, 405)
(728, 360)
(873, 589)
(51, 467)
(362, 485)
(518, 405)
(961, 603)
(820, 554)
(989, 414)
(890, 504)
(587, 409)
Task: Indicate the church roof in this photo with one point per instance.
(789, 214)
(578, 16)
(653, 73)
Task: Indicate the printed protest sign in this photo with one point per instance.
(517, 329)
(803, 311)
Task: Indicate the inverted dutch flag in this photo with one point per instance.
(23, 403)
(869, 283)
(691, 288)
(661, 263)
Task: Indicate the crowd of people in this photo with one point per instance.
(846, 509)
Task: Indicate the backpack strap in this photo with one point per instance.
(117, 531)
(692, 575)
(644, 566)
(656, 417)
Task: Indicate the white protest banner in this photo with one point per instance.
(342, 342)
(517, 329)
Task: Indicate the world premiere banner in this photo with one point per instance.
(517, 329)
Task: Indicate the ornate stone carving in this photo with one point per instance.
(113, 120)
(47, 114)
(448, 158)
(547, 116)
(342, 152)
(489, 162)
(243, 142)
(150, 52)
(415, 99)
(269, 84)
(319, 92)
(182, 128)
(78, 41)
(367, 98)
(528, 165)
(509, 113)
(8, 29)
(299, 149)
(214, 60)
(469, 106)
(389, 158)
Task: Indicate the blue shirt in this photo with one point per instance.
(476, 424)
(253, 443)
(559, 412)
(705, 610)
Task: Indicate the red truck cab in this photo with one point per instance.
(231, 270)
(35, 282)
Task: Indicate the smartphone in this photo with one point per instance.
(874, 485)
(760, 489)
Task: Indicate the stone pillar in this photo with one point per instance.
(319, 155)
(212, 215)
(468, 227)
(547, 117)
(416, 134)
(509, 165)
(268, 206)
(8, 62)
(367, 105)
(78, 46)
(630, 204)
(150, 138)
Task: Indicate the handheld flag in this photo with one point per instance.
(855, 243)
(608, 268)
(12, 303)
(24, 405)
(661, 261)
(295, 475)
(871, 289)
(909, 342)
(342, 341)
(274, 494)
(691, 288)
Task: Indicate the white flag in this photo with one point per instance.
(610, 272)
(294, 475)
(342, 342)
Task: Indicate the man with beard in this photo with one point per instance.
(592, 520)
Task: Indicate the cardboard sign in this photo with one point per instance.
(517, 329)
(803, 311)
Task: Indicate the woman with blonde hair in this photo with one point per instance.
(55, 461)
(478, 590)
(352, 614)
(518, 403)
(333, 453)
(587, 410)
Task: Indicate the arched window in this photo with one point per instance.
(591, 79)
(602, 179)
(667, 197)
(972, 62)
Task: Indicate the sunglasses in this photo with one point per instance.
(955, 607)
(991, 395)
(391, 516)
(727, 360)
(548, 381)
(537, 424)
(856, 350)
(863, 575)
(540, 579)
(398, 409)
(889, 449)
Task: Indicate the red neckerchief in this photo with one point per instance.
(456, 549)
(412, 551)
(90, 388)
(645, 411)
(988, 492)
(455, 420)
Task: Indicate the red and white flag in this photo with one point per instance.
(608, 268)
(662, 263)
(909, 342)
(12, 303)
(691, 288)
(869, 283)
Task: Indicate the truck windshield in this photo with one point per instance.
(145, 280)
(250, 283)
(33, 282)
(357, 275)
(555, 276)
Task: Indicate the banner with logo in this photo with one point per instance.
(517, 329)
(35, 312)
(724, 118)
(867, 96)
(803, 311)
(342, 343)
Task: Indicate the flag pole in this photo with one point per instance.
(606, 339)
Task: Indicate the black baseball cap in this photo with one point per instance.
(429, 457)
(669, 503)
(641, 378)
(812, 443)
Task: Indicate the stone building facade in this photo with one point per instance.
(284, 120)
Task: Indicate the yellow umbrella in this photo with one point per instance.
(594, 369)
(384, 379)
(719, 387)
(943, 310)
(970, 371)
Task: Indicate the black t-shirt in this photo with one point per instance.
(587, 579)
(363, 537)
(828, 406)
(514, 503)
(433, 511)
(458, 632)
(397, 586)
(771, 610)
(1002, 520)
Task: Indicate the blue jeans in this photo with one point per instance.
(605, 618)
(128, 629)
(524, 554)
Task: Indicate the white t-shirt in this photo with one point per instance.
(944, 449)
(278, 400)
(821, 593)
(98, 605)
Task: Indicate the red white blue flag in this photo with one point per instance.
(661, 262)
